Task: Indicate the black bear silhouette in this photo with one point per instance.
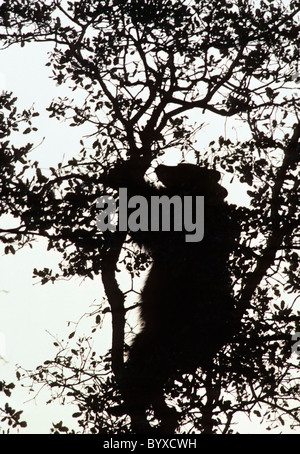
(186, 302)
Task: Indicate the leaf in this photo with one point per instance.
(281, 420)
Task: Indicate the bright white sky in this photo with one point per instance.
(27, 310)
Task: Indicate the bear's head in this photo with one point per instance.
(185, 177)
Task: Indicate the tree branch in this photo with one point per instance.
(274, 241)
(116, 300)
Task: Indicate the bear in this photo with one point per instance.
(186, 301)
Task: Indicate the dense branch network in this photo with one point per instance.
(145, 66)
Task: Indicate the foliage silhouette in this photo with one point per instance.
(9, 416)
(144, 66)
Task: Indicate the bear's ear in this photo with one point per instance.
(214, 175)
(166, 174)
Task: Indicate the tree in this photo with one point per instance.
(9, 416)
(144, 66)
